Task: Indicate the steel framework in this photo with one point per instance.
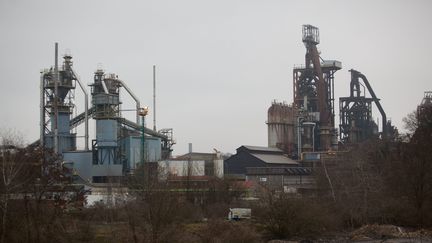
(57, 97)
(57, 89)
(426, 103)
(355, 111)
(313, 90)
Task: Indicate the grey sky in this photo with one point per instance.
(220, 63)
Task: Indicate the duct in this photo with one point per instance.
(357, 74)
(313, 133)
(323, 109)
(123, 84)
(299, 145)
(86, 108)
(104, 87)
(148, 131)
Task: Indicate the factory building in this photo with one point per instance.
(282, 179)
(193, 164)
(120, 145)
(266, 168)
(255, 156)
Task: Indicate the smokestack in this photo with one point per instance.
(190, 147)
(154, 98)
(56, 79)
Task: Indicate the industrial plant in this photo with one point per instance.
(308, 123)
(303, 132)
(298, 132)
(120, 145)
(318, 175)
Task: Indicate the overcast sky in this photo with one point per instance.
(219, 63)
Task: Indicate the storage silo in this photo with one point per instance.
(280, 124)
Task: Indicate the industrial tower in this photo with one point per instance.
(106, 111)
(57, 94)
(313, 90)
(426, 103)
(356, 121)
(309, 124)
(120, 145)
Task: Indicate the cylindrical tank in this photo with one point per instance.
(280, 124)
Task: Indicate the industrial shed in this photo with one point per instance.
(255, 156)
(286, 179)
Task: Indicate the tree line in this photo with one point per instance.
(380, 181)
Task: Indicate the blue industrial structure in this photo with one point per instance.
(57, 93)
(120, 144)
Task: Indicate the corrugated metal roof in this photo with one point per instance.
(259, 148)
(275, 159)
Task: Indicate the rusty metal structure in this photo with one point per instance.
(307, 127)
(280, 124)
(356, 121)
(313, 90)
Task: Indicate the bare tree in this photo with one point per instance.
(355, 183)
(40, 188)
(411, 122)
(156, 205)
(283, 217)
(384, 181)
(11, 169)
(412, 171)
